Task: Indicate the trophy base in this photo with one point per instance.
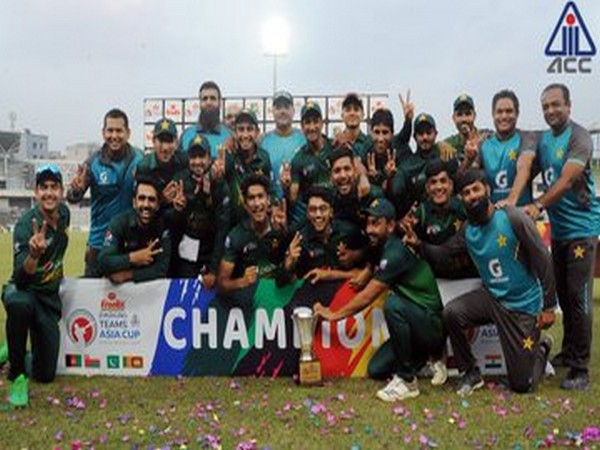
(310, 373)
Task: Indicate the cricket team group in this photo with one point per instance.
(228, 204)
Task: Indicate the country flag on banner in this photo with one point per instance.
(73, 360)
(493, 361)
(91, 362)
(133, 362)
(113, 362)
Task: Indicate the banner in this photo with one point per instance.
(175, 327)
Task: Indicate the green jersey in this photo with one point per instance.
(125, 235)
(436, 224)
(204, 223)
(236, 168)
(361, 144)
(408, 275)
(49, 270)
(311, 168)
(162, 172)
(244, 248)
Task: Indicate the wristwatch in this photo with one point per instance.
(538, 205)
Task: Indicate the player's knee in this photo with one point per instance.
(18, 303)
(521, 386)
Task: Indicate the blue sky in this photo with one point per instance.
(66, 62)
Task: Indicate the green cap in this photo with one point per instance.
(381, 207)
(424, 119)
(198, 145)
(464, 100)
(165, 126)
(310, 107)
(246, 115)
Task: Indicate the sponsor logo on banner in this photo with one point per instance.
(113, 362)
(133, 362)
(117, 324)
(82, 327)
(73, 360)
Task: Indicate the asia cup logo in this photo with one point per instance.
(82, 328)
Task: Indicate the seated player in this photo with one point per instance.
(137, 245)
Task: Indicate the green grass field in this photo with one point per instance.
(247, 413)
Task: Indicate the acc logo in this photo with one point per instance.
(495, 268)
(502, 179)
(570, 43)
(82, 327)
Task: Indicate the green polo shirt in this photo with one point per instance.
(206, 217)
(162, 172)
(125, 235)
(244, 248)
(236, 168)
(49, 271)
(407, 275)
(361, 144)
(311, 168)
(436, 225)
(320, 252)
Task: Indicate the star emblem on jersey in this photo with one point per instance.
(512, 155)
(457, 224)
(501, 240)
(528, 343)
(579, 252)
(560, 153)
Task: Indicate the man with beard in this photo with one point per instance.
(31, 297)
(256, 246)
(435, 228)
(247, 158)
(352, 190)
(209, 121)
(284, 141)
(563, 155)
(320, 249)
(497, 155)
(165, 161)
(408, 184)
(518, 293)
(201, 220)
(137, 245)
(413, 309)
(464, 119)
(109, 174)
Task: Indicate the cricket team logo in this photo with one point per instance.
(570, 44)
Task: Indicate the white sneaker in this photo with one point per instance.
(398, 389)
(440, 373)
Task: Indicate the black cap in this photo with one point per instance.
(381, 207)
(352, 99)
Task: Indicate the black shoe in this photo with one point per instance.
(546, 342)
(470, 382)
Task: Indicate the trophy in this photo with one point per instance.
(310, 367)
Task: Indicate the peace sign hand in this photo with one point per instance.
(472, 144)
(285, 175)
(145, 256)
(408, 108)
(218, 165)
(279, 215)
(371, 165)
(179, 200)
(390, 165)
(78, 181)
(294, 250)
(37, 242)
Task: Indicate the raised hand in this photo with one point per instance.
(408, 108)
(390, 165)
(78, 181)
(472, 144)
(316, 275)
(179, 201)
(285, 175)
(218, 165)
(37, 242)
(145, 256)
(410, 237)
(279, 215)
(371, 165)
(293, 252)
(170, 191)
